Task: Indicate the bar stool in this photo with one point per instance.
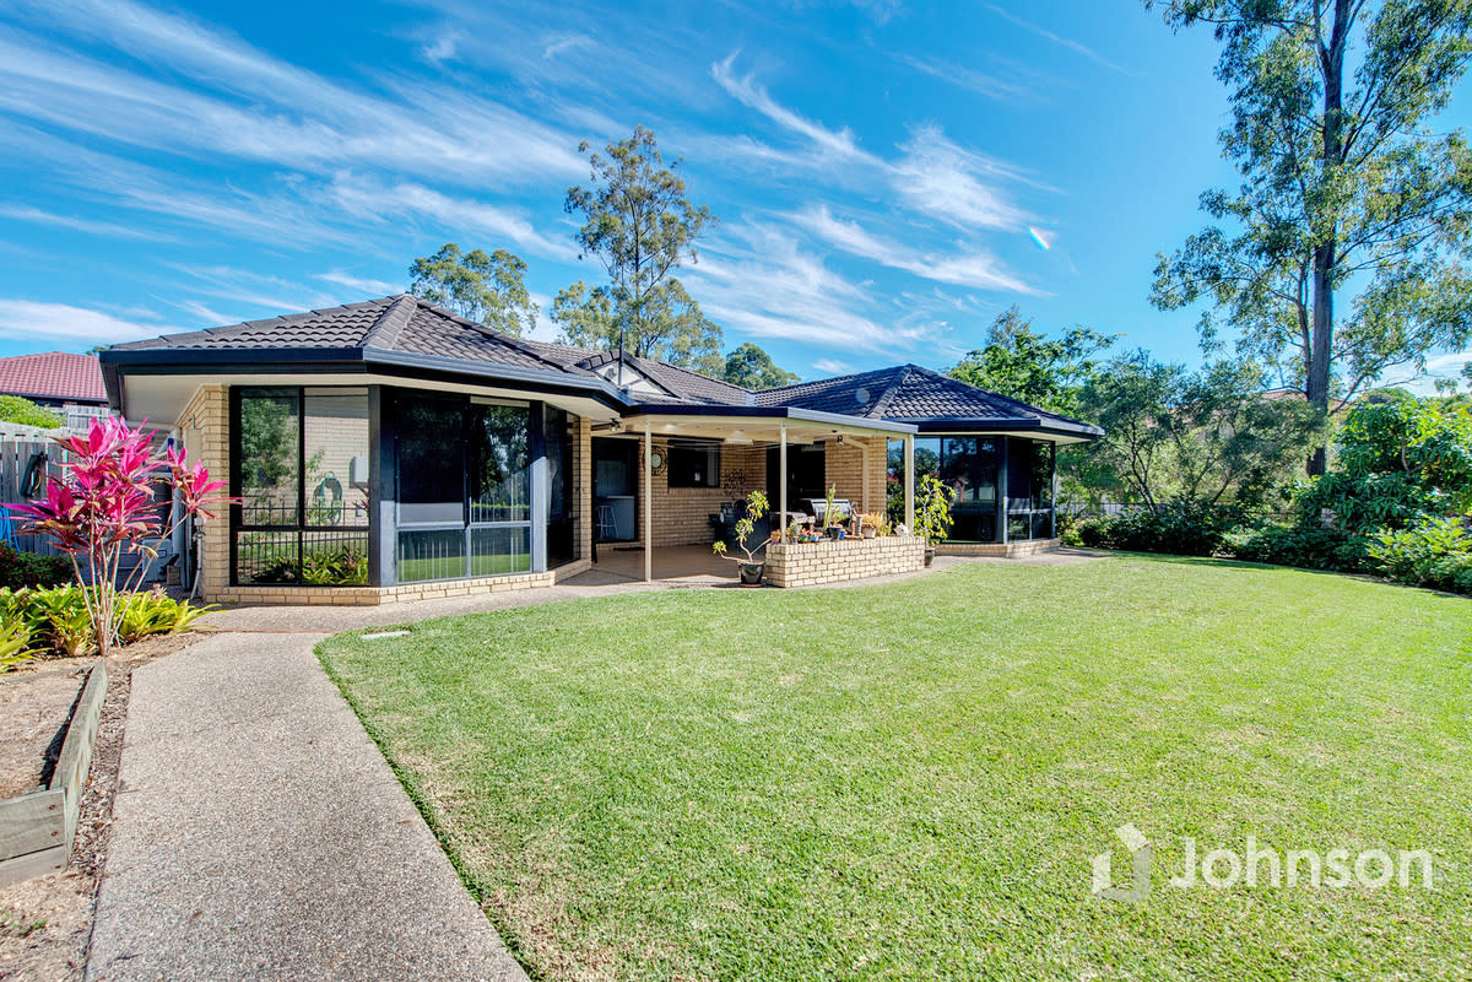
(607, 524)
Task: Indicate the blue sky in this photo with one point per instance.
(888, 176)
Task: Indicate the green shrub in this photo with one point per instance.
(1308, 547)
(1185, 528)
(1435, 553)
(1091, 531)
(29, 569)
(15, 645)
(155, 612)
(14, 409)
(58, 617)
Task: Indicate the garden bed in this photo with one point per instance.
(35, 706)
(45, 921)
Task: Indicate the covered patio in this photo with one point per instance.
(697, 464)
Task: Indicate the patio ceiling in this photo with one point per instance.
(750, 425)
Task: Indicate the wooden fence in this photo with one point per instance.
(17, 451)
(37, 828)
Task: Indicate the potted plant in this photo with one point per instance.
(831, 528)
(752, 567)
(933, 513)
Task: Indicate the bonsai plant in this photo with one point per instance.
(752, 567)
(933, 513)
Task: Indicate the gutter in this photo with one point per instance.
(772, 412)
(117, 363)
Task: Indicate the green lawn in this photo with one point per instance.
(910, 780)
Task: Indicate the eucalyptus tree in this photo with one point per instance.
(639, 222)
(489, 288)
(1346, 191)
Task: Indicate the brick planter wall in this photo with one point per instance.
(808, 564)
(1010, 550)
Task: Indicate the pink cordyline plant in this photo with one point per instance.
(104, 511)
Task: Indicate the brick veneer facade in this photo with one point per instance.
(796, 564)
(680, 515)
(204, 429)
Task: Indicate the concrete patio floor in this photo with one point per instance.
(674, 565)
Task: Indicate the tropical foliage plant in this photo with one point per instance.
(104, 513)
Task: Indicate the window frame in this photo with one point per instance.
(713, 452)
(300, 528)
(467, 526)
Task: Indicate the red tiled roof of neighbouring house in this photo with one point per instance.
(54, 375)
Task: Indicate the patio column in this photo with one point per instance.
(782, 481)
(910, 482)
(648, 495)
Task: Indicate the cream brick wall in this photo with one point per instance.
(857, 468)
(1025, 547)
(204, 430)
(795, 564)
(681, 516)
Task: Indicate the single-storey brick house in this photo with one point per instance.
(389, 449)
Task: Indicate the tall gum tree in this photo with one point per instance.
(1346, 191)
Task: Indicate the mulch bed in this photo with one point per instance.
(46, 922)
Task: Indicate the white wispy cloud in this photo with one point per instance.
(30, 320)
(279, 218)
(562, 45)
(208, 316)
(969, 267)
(933, 174)
(274, 294)
(750, 93)
(262, 108)
(981, 83)
(831, 366)
(379, 200)
(954, 185)
(25, 213)
(1070, 44)
(441, 48)
(360, 283)
(1443, 366)
(757, 279)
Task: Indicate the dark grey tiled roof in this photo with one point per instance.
(400, 323)
(909, 394)
(853, 395)
(333, 327)
(407, 325)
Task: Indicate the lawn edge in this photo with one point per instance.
(425, 809)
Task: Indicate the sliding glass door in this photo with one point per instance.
(464, 487)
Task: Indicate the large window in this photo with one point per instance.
(464, 488)
(301, 474)
(971, 466)
(1029, 489)
(694, 465)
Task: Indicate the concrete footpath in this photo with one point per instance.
(259, 833)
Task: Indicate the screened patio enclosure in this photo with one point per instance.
(1004, 485)
(379, 485)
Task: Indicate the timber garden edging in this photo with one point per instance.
(37, 828)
